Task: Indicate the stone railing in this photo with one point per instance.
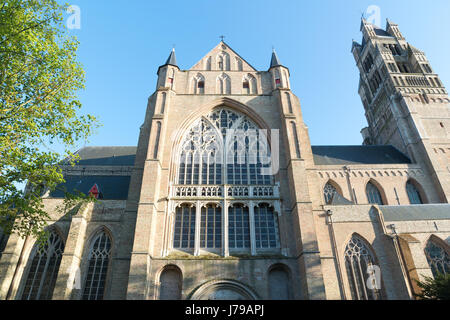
(219, 191)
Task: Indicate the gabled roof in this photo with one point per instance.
(222, 46)
(111, 187)
(345, 155)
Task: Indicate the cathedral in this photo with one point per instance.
(224, 198)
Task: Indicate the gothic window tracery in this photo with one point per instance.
(43, 271)
(359, 263)
(222, 140)
(438, 258)
(328, 192)
(98, 265)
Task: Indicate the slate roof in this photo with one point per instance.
(110, 187)
(172, 60)
(107, 156)
(416, 212)
(275, 62)
(346, 155)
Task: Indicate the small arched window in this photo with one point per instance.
(98, 266)
(43, 271)
(170, 283)
(360, 264)
(278, 283)
(413, 193)
(328, 192)
(373, 194)
(438, 258)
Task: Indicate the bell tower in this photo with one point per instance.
(405, 102)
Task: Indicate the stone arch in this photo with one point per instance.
(198, 84)
(42, 266)
(279, 278)
(437, 253)
(106, 257)
(208, 64)
(223, 84)
(379, 188)
(351, 274)
(419, 188)
(334, 185)
(223, 61)
(250, 80)
(223, 290)
(239, 64)
(170, 283)
(231, 104)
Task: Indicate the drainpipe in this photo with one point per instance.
(336, 254)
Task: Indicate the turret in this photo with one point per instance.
(167, 72)
(280, 74)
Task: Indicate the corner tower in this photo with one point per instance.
(405, 102)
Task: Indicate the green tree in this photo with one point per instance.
(437, 288)
(39, 81)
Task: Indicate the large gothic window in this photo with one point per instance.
(438, 258)
(359, 262)
(239, 227)
(211, 227)
(98, 265)
(224, 139)
(184, 233)
(413, 193)
(43, 271)
(373, 194)
(266, 227)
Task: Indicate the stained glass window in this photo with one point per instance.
(43, 271)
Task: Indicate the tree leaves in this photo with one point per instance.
(437, 288)
(39, 81)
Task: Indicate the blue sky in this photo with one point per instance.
(124, 42)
